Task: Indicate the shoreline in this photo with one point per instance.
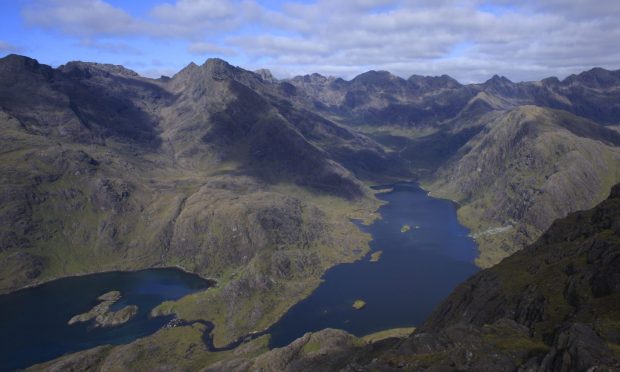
(213, 282)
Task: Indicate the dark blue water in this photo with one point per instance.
(416, 271)
(33, 321)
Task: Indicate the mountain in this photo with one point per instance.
(550, 307)
(527, 167)
(102, 169)
(380, 98)
(515, 156)
(254, 181)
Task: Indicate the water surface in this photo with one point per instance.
(417, 270)
(33, 321)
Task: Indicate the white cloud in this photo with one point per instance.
(201, 48)
(194, 11)
(82, 18)
(114, 48)
(469, 39)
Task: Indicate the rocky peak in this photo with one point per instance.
(550, 81)
(14, 65)
(595, 78)
(87, 69)
(500, 84)
(373, 77)
(312, 79)
(433, 82)
(497, 80)
(266, 75)
(219, 69)
(189, 73)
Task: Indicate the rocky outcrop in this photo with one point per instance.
(101, 314)
(577, 347)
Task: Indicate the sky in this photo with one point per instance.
(470, 40)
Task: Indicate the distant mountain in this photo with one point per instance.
(380, 98)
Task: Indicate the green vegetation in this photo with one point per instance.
(181, 347)
(517, 175)
(514, 342)
(311, 346)
(359, 304)
(388, 333)
(102, 315)
(376, 256)
(258, 309)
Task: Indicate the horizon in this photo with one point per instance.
(469, 40)
(310, 73)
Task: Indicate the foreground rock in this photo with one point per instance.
(102, 315)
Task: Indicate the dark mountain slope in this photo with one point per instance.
(80, 102)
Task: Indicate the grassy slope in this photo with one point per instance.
(524, 171)
(129, 210)
(278, 296)
(179, 348)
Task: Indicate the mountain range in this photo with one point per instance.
(254, 181)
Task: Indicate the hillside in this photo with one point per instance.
(527, 167)
(105, 170)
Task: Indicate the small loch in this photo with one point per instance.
(33, 321)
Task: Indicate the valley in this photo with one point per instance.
(258, 183)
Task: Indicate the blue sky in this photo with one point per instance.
(468, 39)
